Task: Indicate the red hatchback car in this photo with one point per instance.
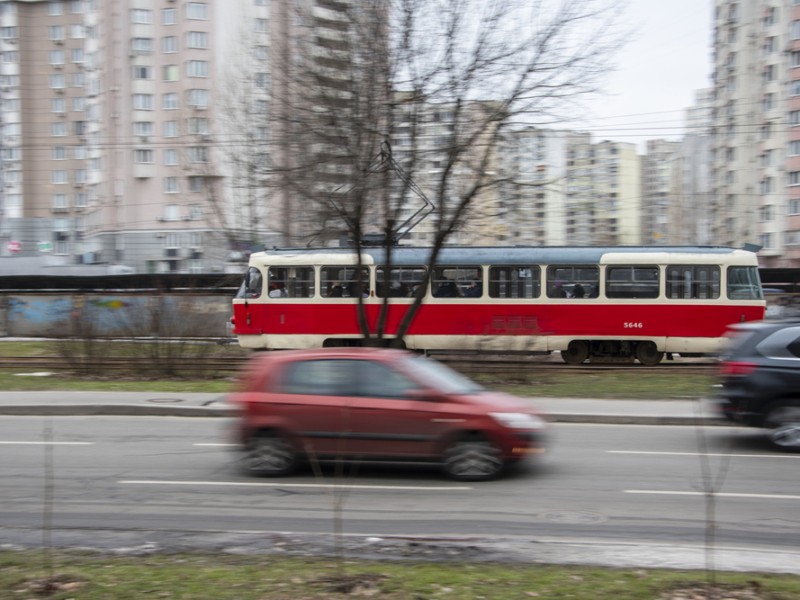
(368, 404)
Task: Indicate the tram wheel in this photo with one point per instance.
(647, 353)
(577, 351)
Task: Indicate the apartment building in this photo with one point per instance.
(113, 149)
(755, 144)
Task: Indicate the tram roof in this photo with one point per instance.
(513, 255)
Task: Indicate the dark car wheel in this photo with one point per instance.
(472, 460)
(783, 422)
(269, 455)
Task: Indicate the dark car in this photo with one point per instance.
(370, 404)
(760, 374)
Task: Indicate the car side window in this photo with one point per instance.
(376, 380)
(323, 377)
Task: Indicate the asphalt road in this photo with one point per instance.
(609, 494)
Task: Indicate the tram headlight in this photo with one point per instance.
(518, 420)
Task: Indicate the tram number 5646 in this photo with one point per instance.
(629, 325)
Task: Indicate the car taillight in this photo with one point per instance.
(737, 368)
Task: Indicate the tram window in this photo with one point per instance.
(744, 283)
(291, 282)
(457, 282)
(515, 282)
(576, 281)
(343, 281)
(692, 282)
(401, 283)
(252, 285)
(632, 282)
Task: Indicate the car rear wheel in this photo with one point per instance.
(783, 423)
(472, 460)
(269, 455)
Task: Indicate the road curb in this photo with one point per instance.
(139, 410)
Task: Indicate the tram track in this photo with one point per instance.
(217, 366)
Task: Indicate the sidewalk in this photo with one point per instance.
(559, 410)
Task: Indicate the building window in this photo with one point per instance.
(793, 178)
(78, 79)
(170, 157)
(172, 212)
(79, 176)
(766, 185)
(143, 128)
(197, 10)
(55, 32)
(77, 31)
(197, 39)
(170, 129)
(262, 80)
(196, 183)
(171, 185)
(56, 57)
(58, 105)
(143, 101)
(58, 153)
(59, 129)
(141, 15)
(169, 44)
(765, 213)
(794, 148)
(794, 206)
(60, 202)
(57, 81)
(77, 56)
(81, 200)
(142, 72)
(197, 68)
(169, 101)
(55, 9)
(198, 154)
(170, 72)
(261, 26)
(59, 176)
(76, 7)
(169, 16)
(80, 127)
(142, 45)
(197, 98)
(197, 125)
(143, 156)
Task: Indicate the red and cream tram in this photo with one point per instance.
(584, 302)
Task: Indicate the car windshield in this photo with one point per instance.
(441, 377)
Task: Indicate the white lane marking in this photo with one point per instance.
(220, 445)
(22, 443)
(717, 494)
(721, 454)
(296, 485)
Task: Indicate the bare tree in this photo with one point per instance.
(440, 81)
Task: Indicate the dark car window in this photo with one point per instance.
(323, 377)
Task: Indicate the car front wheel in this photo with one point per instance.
(268, 455)
(783, 423)
(472, 460)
